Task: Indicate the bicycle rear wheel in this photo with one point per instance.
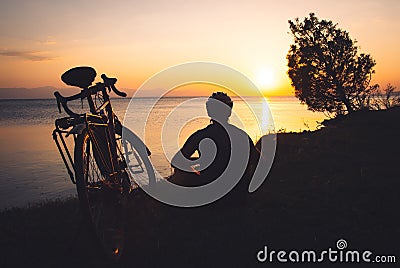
(103, 199)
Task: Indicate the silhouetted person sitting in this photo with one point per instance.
(217, 156)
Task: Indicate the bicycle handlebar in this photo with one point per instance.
(61, 100)
(108, 83)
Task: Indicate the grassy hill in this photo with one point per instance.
(340, 182)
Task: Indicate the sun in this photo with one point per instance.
(265, 78)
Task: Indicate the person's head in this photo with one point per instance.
(219, 106)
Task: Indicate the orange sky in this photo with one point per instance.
(135, 39)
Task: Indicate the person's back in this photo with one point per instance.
(221, 147)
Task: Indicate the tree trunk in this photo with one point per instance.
(343, 98)
(347, 104)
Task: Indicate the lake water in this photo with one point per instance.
(32, 169)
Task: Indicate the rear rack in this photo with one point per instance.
(69, 164)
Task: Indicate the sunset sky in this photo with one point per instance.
(135, 39)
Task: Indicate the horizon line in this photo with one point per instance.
(149, 97)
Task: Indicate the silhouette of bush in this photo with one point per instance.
(385, 99)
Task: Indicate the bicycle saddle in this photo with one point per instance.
(81, 77)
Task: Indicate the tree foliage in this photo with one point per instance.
(325, 68)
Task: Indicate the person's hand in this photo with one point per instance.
(193, 167)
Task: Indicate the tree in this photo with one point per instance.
(325, 68)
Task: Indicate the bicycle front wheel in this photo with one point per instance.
(136, 156)
(103, 199)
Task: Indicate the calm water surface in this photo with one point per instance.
(32, 169)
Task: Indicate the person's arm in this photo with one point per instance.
(188, 149)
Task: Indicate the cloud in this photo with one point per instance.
(28, 55)
(47, 42)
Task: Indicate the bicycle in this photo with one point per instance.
(106, 167)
